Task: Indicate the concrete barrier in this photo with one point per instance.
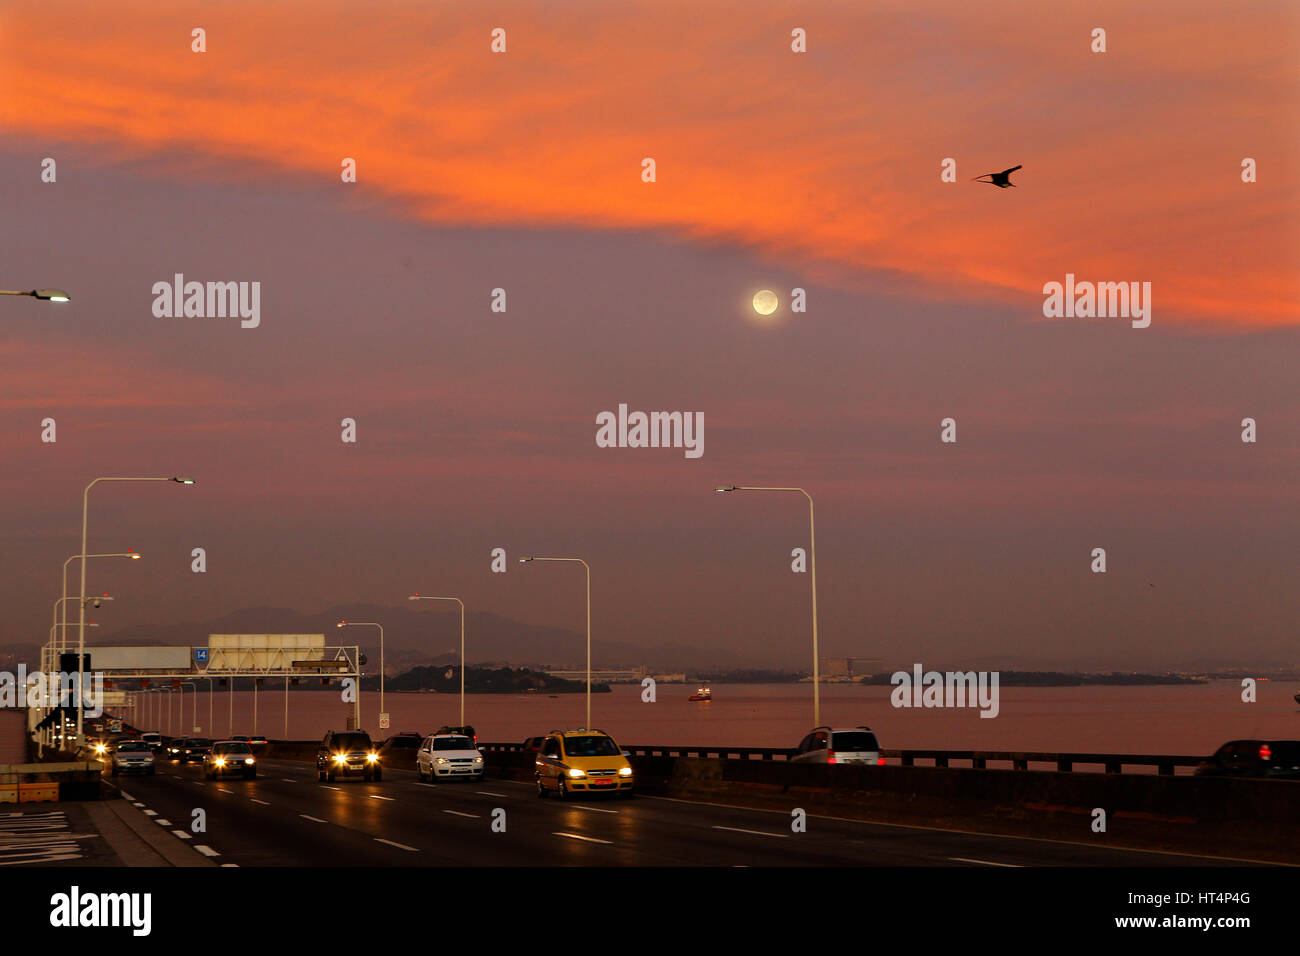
(1214, 816)
(39, 782)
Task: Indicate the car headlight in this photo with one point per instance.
(340, 758)
(248, 760)
(372, 758)
(625, 771)
(440, 760)
(221, 761)
(100, 749)
(575, 772)
(478, 759)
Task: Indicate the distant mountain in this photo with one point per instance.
(417, 638)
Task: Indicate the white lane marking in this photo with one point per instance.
(334, 788)
(288, 780)
(457, 813)
(223, 790)
(230, 864)
(137, 804)
(578, 806)
(182, 834)
(262, 802)
(206, 850)
(754, 832)
(575, 836)
(151, 813)
(163, 822)
(312, 819)
(433, 785)
(962, 859)
(126, 796)
(400, 846)
(378, 797)
(486, 794)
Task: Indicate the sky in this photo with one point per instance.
(774, 170)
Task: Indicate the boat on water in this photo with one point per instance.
(703, 693)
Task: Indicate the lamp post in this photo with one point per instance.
(425, 597)
(120, 554)
(81, 630)
(812, 566)
(588, 568)
(47, 295)
(196, 706)
(381, 654)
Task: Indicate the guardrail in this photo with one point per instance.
(1165, 764)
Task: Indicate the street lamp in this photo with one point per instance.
(47, 295)
(117, 554)
(812, 564)
(196, 704)
(423, 597)
(381, 654)
(588, 567)
(81, 630)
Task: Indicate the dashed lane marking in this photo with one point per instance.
(754, 832)
(585, 839)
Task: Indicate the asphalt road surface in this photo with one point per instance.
(285, 817)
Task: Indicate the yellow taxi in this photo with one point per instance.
(582, 761)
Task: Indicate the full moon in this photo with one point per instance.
(765, 302)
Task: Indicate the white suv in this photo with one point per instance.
(444, 756)
(857, 745)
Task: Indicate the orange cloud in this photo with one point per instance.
(826, 162)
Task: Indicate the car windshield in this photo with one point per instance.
(200, 742)
(590, 747)
(452, 743)
(351, 742)
(238, 747)
(855, 741)
(404, 742)
(133, 746)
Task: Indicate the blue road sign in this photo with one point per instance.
(201, 655)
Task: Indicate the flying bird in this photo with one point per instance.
(1002, 180)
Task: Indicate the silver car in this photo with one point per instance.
(229, 756)
(133, 756)
(839, 746)
(446, 756)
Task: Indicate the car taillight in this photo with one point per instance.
(1265, 753)
(830, 757)
(880, 761)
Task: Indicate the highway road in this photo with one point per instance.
(285, 817)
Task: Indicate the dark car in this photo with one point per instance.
(1275, 759)
(532, 745)
(195, 748)
(175, 747)
(403, 744)
(350, 753)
